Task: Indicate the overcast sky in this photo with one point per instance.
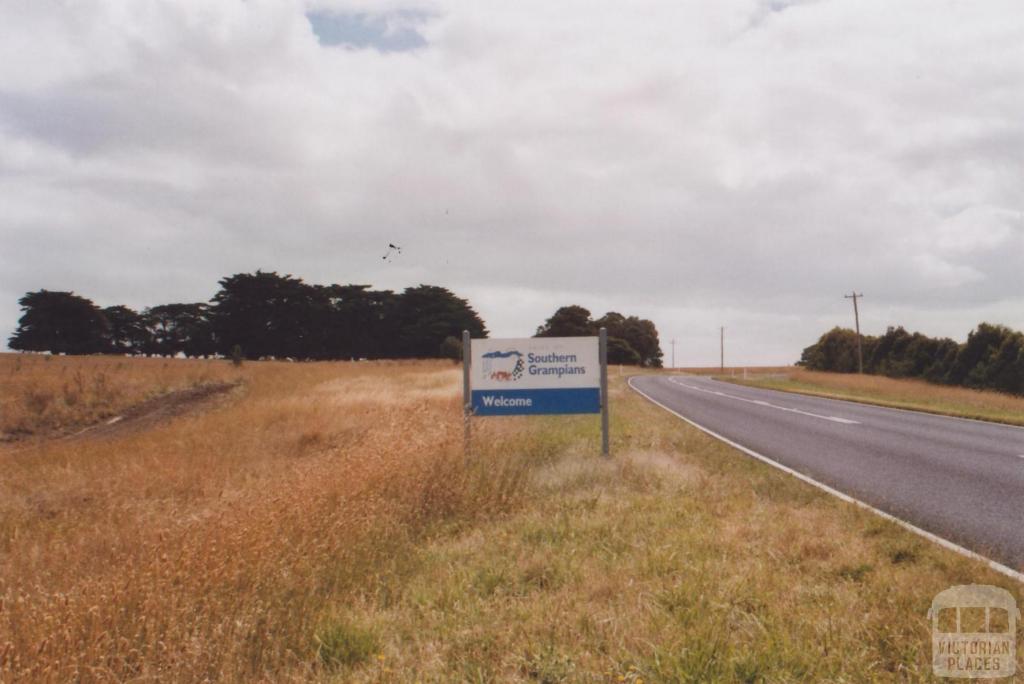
(737, 162)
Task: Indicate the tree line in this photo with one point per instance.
(266, 315)
(631, 340)
(991, 358)
(255, 315)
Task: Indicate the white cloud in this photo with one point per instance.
(739, 162)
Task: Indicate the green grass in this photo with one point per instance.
(916, 395)
(678, 560)
(341, 643)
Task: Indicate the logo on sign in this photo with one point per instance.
(503, 366)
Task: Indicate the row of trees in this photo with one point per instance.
(259, 315)
(266, 315)
(991, 358)
(631, 340)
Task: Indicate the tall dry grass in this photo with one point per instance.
(901, 393)
(229, 545)
(41, 393)
(680, 559)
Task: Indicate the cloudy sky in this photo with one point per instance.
(738, 162)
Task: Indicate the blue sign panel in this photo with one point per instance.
(510, 402)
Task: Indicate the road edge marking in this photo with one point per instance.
(768, 404)
(944, 543)
(867, 404)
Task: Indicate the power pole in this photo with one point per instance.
(673, 354)
(856, 319)
(721, 347)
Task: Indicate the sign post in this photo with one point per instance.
(467, 406)
(603, 346)
(536, 376)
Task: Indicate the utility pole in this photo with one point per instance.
(673, 354)
(721, 347)
(856, 319)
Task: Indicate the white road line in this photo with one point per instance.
(834, 419)
(945, 543)
(880, 407)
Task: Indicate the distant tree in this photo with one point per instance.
(426, 315)
(970, 367)
(1004, 370)
(257, 315)
(836, 350)
(619, 352)
(179, 329)
(128, 333)
(942, 355)
(269, 315)
(639, 334)
(362, 322)
(61, 323)
(616, 324)
(991, 358)
(631, 340)
(568, 321)
(889, 354)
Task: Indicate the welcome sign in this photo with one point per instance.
(537, 375)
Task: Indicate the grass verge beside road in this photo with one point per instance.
(323, 525)
(916, 395)
(680, 559)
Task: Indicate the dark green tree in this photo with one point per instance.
(971, 366)
(179, 329)
(941, 357)
(836, 350)
(619, 352)
(639, 334)
(631, 340)
(425, 315)
(61, 323)
(1004, 370)
(362, 322)
(992, 357)
(568, 321)
(269, 315)
(128, 333)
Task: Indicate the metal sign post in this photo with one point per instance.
(467, 403)
(603, 353)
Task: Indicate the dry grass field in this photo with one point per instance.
(897, 393)
(322, 524)
(226, 545)
(42, 394)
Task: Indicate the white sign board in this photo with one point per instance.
(535, 375)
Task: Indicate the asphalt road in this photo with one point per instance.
(959, 479)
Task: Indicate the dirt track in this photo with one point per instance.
(154, 411)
